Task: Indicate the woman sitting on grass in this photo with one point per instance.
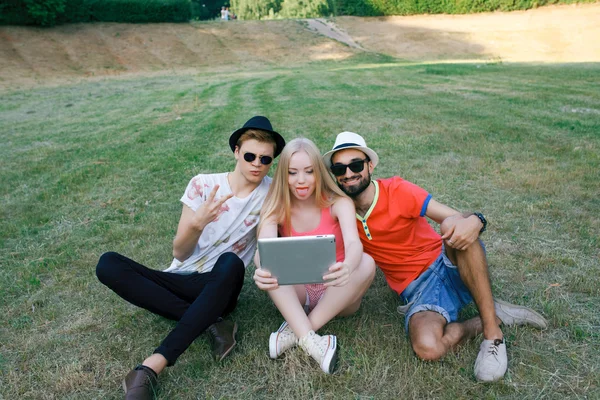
(304, 200)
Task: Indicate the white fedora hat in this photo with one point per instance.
(350, 140)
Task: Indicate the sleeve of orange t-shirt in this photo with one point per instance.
(409, 199)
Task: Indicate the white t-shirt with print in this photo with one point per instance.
(234, 230)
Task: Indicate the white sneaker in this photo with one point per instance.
(491, 361)
(512, 314)
(282, 340)
(323, 349)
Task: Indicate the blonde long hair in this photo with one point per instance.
(278, 203)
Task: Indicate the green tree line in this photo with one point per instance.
(269, 9)
(51, 12)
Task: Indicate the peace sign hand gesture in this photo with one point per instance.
(210, 209)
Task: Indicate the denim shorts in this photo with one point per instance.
(438, 289)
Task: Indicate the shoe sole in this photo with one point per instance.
(536, 324)
(489, 379)
(273, 342)
(235, 328)
(273, 345)
(330, 359)
(125, 388)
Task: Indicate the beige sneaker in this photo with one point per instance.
(323, 349)
(282, 340)
(512, 314)
(492, 362)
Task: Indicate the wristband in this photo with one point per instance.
(482, 219)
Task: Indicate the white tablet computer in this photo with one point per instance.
(297, 259)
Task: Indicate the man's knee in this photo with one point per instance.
(229, 267)
(426, 330)
(108, 266)
(428, 349)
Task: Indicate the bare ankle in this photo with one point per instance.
(157, 362)
(492, 332)
(472, 327)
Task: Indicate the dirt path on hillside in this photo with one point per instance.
(70, 53)
(331, 30)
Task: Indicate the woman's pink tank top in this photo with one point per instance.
(327, 226)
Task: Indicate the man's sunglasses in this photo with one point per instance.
(355, 166)
(264, 160)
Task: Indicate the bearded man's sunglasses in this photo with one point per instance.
(355, 166)
(264, 160)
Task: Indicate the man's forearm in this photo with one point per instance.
(185, 242)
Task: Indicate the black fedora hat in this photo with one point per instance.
(263, 124)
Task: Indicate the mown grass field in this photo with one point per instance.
(101, 166)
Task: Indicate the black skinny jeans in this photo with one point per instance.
(195, 300)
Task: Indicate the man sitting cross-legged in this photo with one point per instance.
(215, 241)
(436, 276)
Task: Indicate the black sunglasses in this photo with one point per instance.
(355, 166)
(264, 160)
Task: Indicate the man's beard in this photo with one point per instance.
(355, 190)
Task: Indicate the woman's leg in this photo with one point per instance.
(344, 300)
(290, 300)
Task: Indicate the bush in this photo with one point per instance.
(13, 12)
(75, 11)
(256, 9)
(207, 9)
(304, 8)
(50, 12)
(274, 9)
(140, 10)
(367, 8)
(32, 12)
(45, 12)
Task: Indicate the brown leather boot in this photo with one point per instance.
(222, 337)
(140, 384)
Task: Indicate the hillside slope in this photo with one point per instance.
(31, 56)
(70, 52)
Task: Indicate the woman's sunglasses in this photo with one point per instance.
(355, 166)
(264, 160)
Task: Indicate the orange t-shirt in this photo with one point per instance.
(396, 234)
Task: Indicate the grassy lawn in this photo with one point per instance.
(101, 166)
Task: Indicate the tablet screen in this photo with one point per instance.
(297, 259)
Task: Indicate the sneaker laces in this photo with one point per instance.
(315, 345)
(495, 347)
(287, 336)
